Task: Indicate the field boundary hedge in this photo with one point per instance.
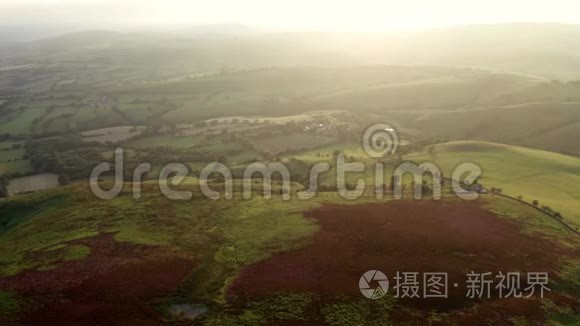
(567, 226)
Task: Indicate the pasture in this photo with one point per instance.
(182, 142)
(32, 183)
(113, 134)
(11, 155)
(276, 144)
(552, 179)
(22, 166)
(545, 125)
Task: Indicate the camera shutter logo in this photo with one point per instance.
(367, 279)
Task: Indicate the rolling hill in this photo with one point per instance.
(552, 126)
(552, 179)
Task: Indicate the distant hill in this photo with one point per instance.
(549, 50)
(547, 125)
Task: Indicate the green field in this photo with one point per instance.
(22, 124)
(21, 166)
(285, 142)
(188, 227)
(11, 155)
(550, 126)
(8, 144)
(11, 161)
(170, 141)
(552, 179)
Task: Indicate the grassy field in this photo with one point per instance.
(113, 134)
(296, 141)
(8, 144)
(21, 166)
(185, 226)
(428, 93)
(552, 179)
(549, 126)
(22, 123)
(11, 155)
(170, 141)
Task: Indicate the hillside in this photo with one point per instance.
(552, 126)
(39, 100)
(138, 260)
(552, 179)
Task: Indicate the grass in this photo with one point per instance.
(296, 141)
(280, 307)
(113, 134)
(224, 235)
(560, 315)
(15, 212)
(22, 123)
(35, 222)
(551, 126)
(10, 304)
(33, 183)
(22, 166)
(298, 308)
(76, 252)
(170, 141)
(15, 154)
(38, 228)
(6, 145)
(532, 221)
(552, 179)
(281, 224)
(349, 149)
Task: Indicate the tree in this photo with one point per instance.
(547, 209)
(535, 203)
(3, 185)
(520, 197)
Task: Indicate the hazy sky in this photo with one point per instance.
(346, 15)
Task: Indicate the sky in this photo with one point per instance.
(323, 15)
